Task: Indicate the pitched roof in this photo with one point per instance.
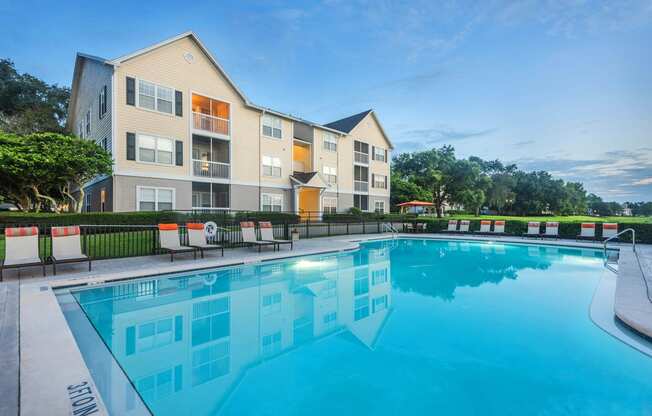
(303, 177)
(347, 124)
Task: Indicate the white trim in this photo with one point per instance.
(273, 166)
(381, 201)
(156, 85)
(172, 160)
(272, 127)
(156, 189)
(113, 115)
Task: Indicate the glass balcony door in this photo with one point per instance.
(210, 195)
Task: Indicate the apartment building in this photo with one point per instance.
(183, 136)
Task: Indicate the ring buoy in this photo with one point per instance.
(209, 280)
(210, 229)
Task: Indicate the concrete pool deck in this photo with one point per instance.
(45, 338)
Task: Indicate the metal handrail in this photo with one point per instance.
(389, 227)
(604, 244)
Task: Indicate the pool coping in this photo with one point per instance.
(46, 338)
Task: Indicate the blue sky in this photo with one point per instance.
(564, 86)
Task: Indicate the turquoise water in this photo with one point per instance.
(398, 327)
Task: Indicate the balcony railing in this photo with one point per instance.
(206, 169)
(361, 186)
(361, 157)
(211, 123)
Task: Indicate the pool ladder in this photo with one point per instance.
(609, 261)
(388, 227)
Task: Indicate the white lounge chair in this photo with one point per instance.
(21, 249)
(452, 226)
(248, 230)
(552, 230)
(197, 239)
(485, 226)
(464, 226)
(609, 229)
(267, 234)
(533, 229)
(169, 241)
(499, 227)
(66, 247)
(587, 231)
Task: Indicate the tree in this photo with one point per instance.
(28, 104)
(405, 189)
(49, 169)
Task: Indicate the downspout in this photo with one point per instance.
(260, 161)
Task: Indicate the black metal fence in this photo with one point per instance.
(116, 241)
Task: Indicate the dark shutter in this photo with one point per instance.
(99, 106)
(373, 152)
(373, 180)
(104, 104)
(179, 152)
(131, 91)
(385, 182)
(130, 340)
(178, 103)
(131, 146)
(386, 160)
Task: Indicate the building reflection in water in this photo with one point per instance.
(198, 336)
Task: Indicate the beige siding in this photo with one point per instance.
(369, 131)
(281, 148)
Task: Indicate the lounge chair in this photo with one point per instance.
(552, 230)
(21, 249)
(197, 239)
(464, 226)
(169, 241)
(267, 234)
(485, 227)
(609, 229)
(587, 231)
(499, 227)
(452, 226)
(66, 247)
(248, 230)
(533, 229)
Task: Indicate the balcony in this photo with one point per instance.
(360, 157)
(211, 124)
(361, 186)
(206, 169)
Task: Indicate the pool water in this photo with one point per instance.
(406, 327)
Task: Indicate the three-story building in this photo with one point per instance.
(183, 136)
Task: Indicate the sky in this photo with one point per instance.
(563, 86)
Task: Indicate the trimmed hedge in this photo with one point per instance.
(569, 230)
(143, 218)
(367, 216)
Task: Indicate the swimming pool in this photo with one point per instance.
(406, 326)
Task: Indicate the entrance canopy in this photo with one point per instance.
(308, 179)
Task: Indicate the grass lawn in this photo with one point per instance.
(570, 218)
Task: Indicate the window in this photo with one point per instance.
(155, 199)
(271, 303)
(80, 129)
(272, 126)
(88, 122)
(210, 195)
(379, 277)
(102, 101)
(330, 142)
(87, 200)
(379, 303)
(102, 199)
(211, 320)
(152, 149)
(271, 343)
(379, 181)
(329, 205)
(360, 152)
(154, 334)
(105, 144)
(361, 282)
(155, 97)
(330, 174)
(361, 202)
(272, 166)
(272, 202)
(380, 154)
(329, 290)
(210, 362)
(361, 308)
(379, 207)
(330, 317)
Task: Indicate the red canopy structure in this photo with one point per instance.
(416, 207)
(415, 204)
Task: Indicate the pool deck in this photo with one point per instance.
(32, 340)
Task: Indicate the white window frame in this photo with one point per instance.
(273, 198)
(330, 142)
(381, 155)
(156, 96)
(325, 205)
(269, 121)
(330, 174)
(156, 147)
(379, 184)
(275, 164)
(156, 198)
(88, 201)
(274, 305)
(376, 207)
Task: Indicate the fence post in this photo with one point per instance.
(364, 230)
(286, 230)
(329, 228)
(308, 226)
(347, 228)
(154, 237)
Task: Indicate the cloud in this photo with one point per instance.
(645, 181)
(418, 139)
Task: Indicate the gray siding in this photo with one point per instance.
(95, 192)
(124, 191)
